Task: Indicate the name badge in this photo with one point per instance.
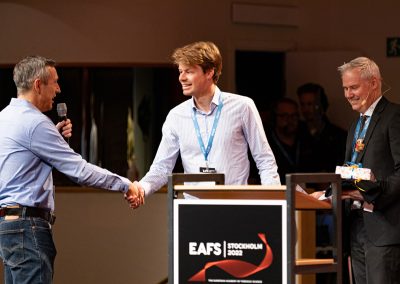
(207, 170)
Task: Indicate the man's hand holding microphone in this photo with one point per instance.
(65, 125)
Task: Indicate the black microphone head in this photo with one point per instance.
(62, 110)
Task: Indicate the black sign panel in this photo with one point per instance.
(229, 241)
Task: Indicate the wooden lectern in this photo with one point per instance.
(261, 196)
(304, 266)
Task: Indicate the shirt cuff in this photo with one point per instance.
(124, 185)
(146, 187)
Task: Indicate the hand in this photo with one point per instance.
(369, 207)
(66, 127)
(135, 195)
(373, 178)
(353, 194)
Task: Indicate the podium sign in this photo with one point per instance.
(229, 241)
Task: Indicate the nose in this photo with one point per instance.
(182, 76)
(348, 93)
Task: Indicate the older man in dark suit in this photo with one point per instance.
(374, 141)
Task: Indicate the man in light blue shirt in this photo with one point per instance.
(213, 129)
(31, 146)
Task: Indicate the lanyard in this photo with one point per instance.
(359, 135)
(204, 150)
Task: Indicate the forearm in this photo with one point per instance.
(94, 176)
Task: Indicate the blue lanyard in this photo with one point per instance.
(212, 134)
(359, 134)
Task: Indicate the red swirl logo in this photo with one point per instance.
(237, 268)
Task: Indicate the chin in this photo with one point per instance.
(356, 107)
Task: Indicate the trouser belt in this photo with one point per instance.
(25, 211)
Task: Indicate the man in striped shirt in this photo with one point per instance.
(212, 130)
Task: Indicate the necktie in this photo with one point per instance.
(363, 120)
(359, 138)
(356, 204)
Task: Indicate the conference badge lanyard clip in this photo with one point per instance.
(358, 142)
(203, 149)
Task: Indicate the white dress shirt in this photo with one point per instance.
(239, 127)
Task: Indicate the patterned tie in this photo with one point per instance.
(359, 137)
(363, 120)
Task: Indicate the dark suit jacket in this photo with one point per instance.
(382, 155)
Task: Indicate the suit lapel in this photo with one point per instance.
(374, 120)
(349, 143)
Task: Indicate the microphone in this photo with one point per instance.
(62, 111)
(62, 114)
(364, 101)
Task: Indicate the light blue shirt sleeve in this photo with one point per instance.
(31, 147)
(50, 146)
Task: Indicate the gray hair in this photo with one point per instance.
(368, 68)
(29, 69)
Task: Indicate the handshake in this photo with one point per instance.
(135, 195)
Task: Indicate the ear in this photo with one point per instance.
(210, 73)
(36, 86)
(374, 83)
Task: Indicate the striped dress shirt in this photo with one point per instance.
(238, 129)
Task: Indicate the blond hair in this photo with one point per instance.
(203, 53)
